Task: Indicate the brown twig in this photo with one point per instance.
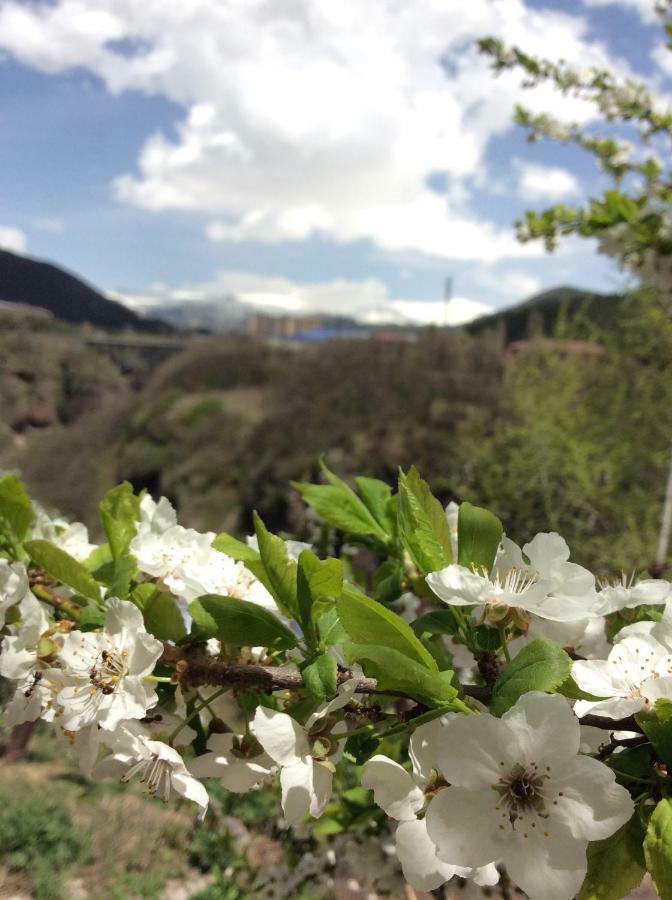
(194, 669)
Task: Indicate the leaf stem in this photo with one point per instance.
(195, 711)
(505, 644)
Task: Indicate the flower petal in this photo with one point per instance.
(464, 824)
(473, 750)
(394, 790)
(191, 789)
(417, 854)
(281, 736)
(546, 728)
(592, 806)
(458, 585)
(550, 868)
(322, 782)
(297, 791)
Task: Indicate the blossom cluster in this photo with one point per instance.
(509, 712)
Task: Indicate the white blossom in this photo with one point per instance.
(637, 671)
(157, 517)
(402, 795)
(452, 517)
(161, 768)
(14, 587)
(628, 593)
(587, 637)
(305, 779)
(190, 566)
(238, 761)
(84, 745)
(539, 579)
(660, 630)
(28, 658)
(520, 794)
(105, 671)
(72, 537)
(305, 755)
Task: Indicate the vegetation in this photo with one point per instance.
(557, 434)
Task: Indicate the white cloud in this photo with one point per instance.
(367, 301)
(13, 239)
(312, 116)
(552, 183)
(646, 9)
(663, 58)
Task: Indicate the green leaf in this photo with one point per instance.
(633, 762)
(330, 629)
(319, 583)
(395, 672)
(360, 747)
(321, 677)
(656, 723)
(541, 666)
(122, 571)
(280, 570)
(387, 581)
(376, 496)
(163, 617)
(572, 691)
(141, 594)
(239, 623)
(64, 568)
(234, 548)
(119, 511)
(422, 524)
(479, 533)
(616, 864)
(98, 561)
(440, 621)
(90, 619)
(658, 848)
(367, 622)
(340, 506)
(16, 510)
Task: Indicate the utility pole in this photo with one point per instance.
(447, 294)
(665, 524)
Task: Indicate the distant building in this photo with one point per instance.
(266, 327)
(315, 329)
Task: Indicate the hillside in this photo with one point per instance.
(68, 298)
(540, 314)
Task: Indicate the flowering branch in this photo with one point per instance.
(104, 669)
(194, 669)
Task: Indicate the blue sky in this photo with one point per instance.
(301, 156)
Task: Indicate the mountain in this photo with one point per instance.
(37, 283)
(218, 315)
(539, 314)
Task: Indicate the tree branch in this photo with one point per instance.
(53, 599)
(194, 669)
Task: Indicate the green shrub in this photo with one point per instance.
(38, 837)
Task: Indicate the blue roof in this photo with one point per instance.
(314, 335)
